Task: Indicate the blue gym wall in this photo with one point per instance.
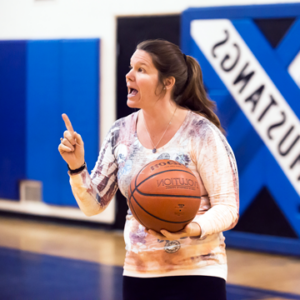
(12, 117)
(40, 80)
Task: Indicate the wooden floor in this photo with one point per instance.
(257, 270)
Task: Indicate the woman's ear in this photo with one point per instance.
(169, 83)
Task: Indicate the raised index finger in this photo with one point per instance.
(68, 123)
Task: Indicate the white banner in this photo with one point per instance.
(253, 90)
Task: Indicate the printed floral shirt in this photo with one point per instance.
(199, 145)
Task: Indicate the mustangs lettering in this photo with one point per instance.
(253, 90)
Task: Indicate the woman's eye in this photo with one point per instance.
(139, 69)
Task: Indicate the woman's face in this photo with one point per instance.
(142, 81)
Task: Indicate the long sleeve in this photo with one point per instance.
(94, 192)
(217, 168)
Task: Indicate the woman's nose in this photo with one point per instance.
(129, 75)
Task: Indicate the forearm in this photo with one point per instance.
(217, 219)
(90, 200)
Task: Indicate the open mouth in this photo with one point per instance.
(132, 92)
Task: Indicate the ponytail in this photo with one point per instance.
(194, 96)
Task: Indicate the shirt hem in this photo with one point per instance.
(215, 271)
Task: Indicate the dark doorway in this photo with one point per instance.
(130, 32)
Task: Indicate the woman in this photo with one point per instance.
(175, 121)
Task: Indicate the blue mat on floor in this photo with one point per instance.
(29, 276)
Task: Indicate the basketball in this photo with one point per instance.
(164, 194)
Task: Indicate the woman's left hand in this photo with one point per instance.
(191, 230)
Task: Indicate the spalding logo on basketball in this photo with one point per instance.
(164, 195)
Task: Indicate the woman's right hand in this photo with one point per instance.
(71, 147)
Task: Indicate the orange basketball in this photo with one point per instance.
(164, 195)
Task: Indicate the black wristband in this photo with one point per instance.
(77, 170)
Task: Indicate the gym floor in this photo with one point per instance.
(47, 260)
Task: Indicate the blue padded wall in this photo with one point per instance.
(43, 109)
(80, 100)
(12, 117)
(62, 77)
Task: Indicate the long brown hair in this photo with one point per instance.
(188, 90)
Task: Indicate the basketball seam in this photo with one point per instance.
(171, 196)
(133, 207)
